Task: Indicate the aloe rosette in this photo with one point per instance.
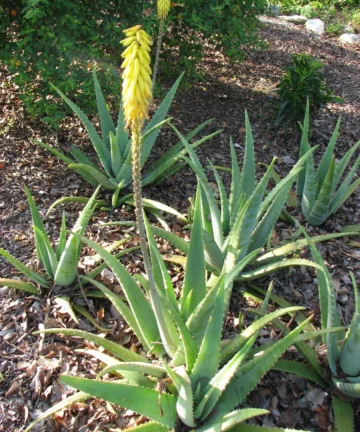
(242, 222)
(113, 148)
(60, 263)
(182, 377)
(342, 349)
(323, 192)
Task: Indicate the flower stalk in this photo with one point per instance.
(136, 95)
(163, 10)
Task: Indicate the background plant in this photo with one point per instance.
(113, 148)
(342, 349)
(324, 191)
(44, 41)
(302, 81)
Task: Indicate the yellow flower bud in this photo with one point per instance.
(163, 8)
(136, 87)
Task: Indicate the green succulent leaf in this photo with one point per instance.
(327, 158)
(122, 137)
(150, 427)
(99, 146)
(329, 315)
(112, 347)
(160, 407)
(143, 368)
(220, 383)
(138, 303)
(320, 210)
(248, 173)
(26, 271)
(106, 123)
(20, 285)
(300, 369)
(343, 415)
(229, 421)
(207, 362)
(55, 152)
(68, 262)
(239, 341)
(98, 177)
(77, 397)
(194, 280)
(81, 157)
(235, 190)
(250, 373)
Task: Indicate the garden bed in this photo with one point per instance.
(31, 364)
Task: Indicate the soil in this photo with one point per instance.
(31, 364)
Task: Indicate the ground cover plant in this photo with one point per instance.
(238, 321)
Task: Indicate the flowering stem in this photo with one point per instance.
(136, 173)
(158, 48)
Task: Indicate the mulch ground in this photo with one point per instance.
(30, 364)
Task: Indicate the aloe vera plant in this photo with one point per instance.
(182, 378)
(342, 350)
(242, 222)
(60, 264)
(114, 147)
(323, 192)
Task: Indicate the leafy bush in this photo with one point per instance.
(334, 29)
(228, 25)
(305, 80)
(321, 195)
(355, 19)
(294, 5)
(45, 41)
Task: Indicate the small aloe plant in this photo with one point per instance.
(322, 191)
(343, 349)
(114, 147)
(183, 378)
(61, 263)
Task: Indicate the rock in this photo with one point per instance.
(295, 19)
(349, 29)
(316, 26)
(350, 38)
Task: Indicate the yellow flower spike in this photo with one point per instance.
(127, 41)
(132, 30)
(136, 87)
(128, 50)
(163, 8)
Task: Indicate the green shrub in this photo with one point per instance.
(227, 24)
(304, 80)
(43, 41)
(334, 29)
